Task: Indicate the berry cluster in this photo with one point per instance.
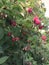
(13, 38)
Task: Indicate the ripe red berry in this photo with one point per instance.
(44, 37)
(41, 26)
(29, 10)
(13, 40)
(9, 34)
(36, 20)
(13, 23)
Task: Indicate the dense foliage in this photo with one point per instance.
(21, 39)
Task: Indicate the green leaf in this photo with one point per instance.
(3, 59)
(1, 33)
(4, 64)
(1, 50)
(21, 0)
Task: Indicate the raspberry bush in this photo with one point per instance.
(21, 40)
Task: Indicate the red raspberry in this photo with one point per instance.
(36, 20)
(13, 40)
(13, 23)
(41, 26)
(9, 34)
(29, 10)
(43, 37)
